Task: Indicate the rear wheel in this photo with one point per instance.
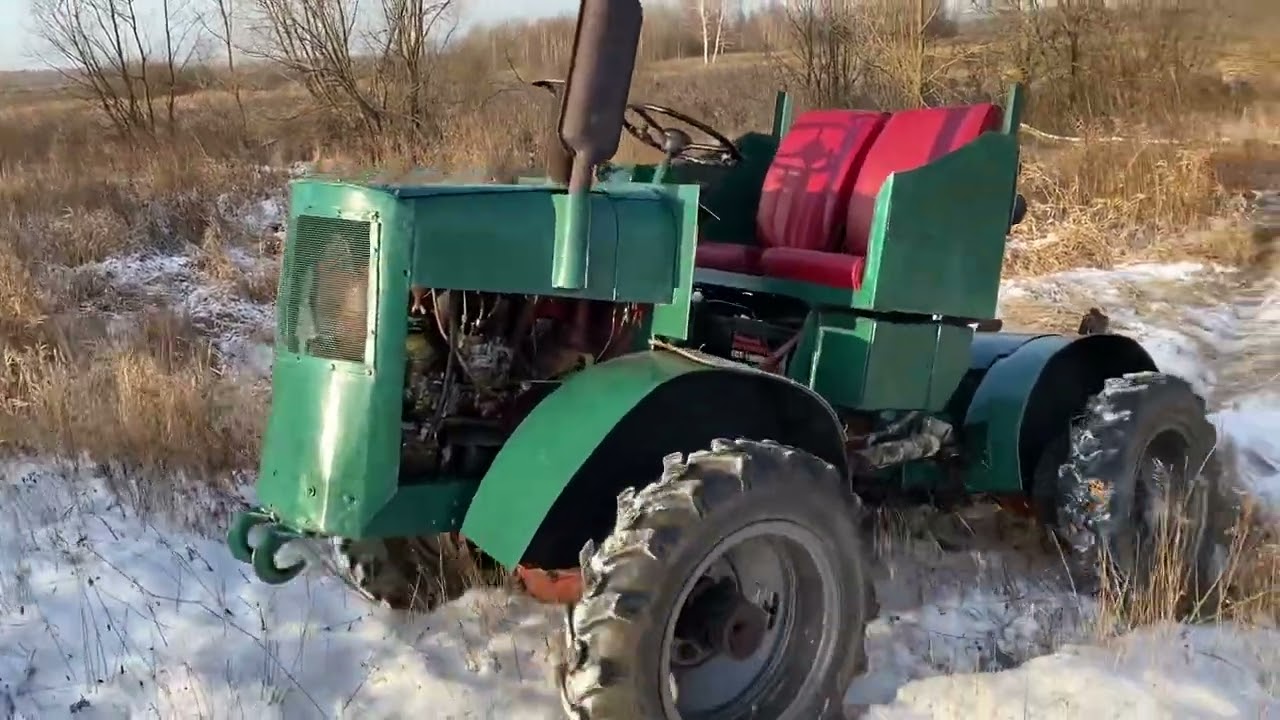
(736, 586)
(1134, 495)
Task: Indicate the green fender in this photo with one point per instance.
(1029, 389)
(564, 431)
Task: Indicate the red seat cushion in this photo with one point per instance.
(832, 269)
(910, 139)
(730, 257)
(804, 200)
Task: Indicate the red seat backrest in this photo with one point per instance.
(804, 200)
(910, 139)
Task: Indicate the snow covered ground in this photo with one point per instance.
(106, 615)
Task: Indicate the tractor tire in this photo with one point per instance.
(663, 627)
(1143, 451)
(416, 573)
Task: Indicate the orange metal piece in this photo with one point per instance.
(1016, 504)
(553, 587)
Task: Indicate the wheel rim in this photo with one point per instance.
(766, 562)
(1164, 494)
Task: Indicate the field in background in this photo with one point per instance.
(1167, 122)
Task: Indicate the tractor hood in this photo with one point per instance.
(330, 461)
(502, 239)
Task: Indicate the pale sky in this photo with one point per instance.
(18, 49)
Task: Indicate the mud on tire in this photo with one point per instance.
(619, 639)
(1142, 453)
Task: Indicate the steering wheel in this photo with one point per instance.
(672, 142)
(675, 142)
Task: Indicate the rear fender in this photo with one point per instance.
(554, 485)
(1027, 394)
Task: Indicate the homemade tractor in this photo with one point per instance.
(660, 394)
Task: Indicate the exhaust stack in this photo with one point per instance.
(591, 116)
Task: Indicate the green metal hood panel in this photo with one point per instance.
(317, 473)
(501, 239)
(331, 452)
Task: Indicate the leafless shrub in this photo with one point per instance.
(104, 48)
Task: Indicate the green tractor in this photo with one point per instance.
(661, 395)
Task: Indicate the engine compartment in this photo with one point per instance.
(477, 363)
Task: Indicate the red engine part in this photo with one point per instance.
(553, 587)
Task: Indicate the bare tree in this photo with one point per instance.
(374, 65)
(901, 41)
(827, 45)
(223, 27)
(1098, 61)
(711, 16)
(103, 47)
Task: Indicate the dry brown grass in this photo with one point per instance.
(1246, 589)
(86, 367)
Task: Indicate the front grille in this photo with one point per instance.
(324, 289)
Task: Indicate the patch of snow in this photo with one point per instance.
(143, 270)
(1158, 672)
(1174, 353)
(1104, 285)
(264, 216)
(992, 600)
(235, 324)
(106, 616)
(1251, 425)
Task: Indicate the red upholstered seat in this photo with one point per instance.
(835, 269)
(805, 196)
(907, 140)
(910, 139)
(806, 192)
(730, 257)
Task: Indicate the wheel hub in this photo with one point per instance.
(719, 619)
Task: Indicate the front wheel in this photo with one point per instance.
(736, 586)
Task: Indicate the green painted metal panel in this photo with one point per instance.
(993, 422)
(951, 359)
(938, 237)
(671, 320)
(783, 114)
(315, 474)
(552, 443)
(870, 364)
(425, 508)
(841, 354)
(819, 296)
(988, 347)
(1014, 104)
(900, 365)
(730, 201)
(494, 239)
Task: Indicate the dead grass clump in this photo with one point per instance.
(1243, 585)
(18, 305)
(1253, 593)
(92, 368)
(1098, 203)
(226, 255)
(147, 395)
